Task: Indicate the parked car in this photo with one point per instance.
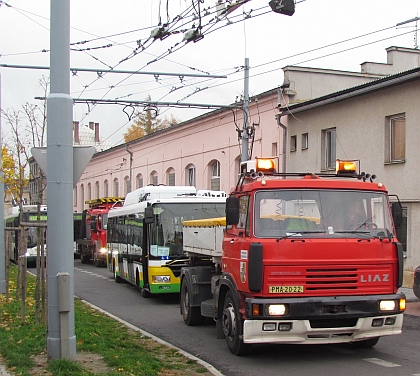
(416, 284)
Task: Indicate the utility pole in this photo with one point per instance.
(61, 338)
(245, 145)
(2, 249)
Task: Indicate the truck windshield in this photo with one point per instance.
(166, 232)
(345, 213)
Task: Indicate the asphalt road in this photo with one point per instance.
(160, 316)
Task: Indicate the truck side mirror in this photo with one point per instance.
(397, 213)
(93, 223)
(232, 210)
(148, 215)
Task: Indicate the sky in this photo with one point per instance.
(116, 35)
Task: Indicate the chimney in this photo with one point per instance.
(96, 132)
(76, 132)
(91, 125)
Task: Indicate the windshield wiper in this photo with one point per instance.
(291, 234)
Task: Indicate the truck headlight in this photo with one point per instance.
(276, 309)
(387, 305)
(103, 250)
(161, 279)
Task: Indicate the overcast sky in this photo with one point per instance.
(331, 34)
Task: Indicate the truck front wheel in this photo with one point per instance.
(191, 315)
(233, 327)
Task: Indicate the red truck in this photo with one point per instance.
(301, 258)
(91, 244)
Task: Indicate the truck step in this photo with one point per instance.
(207, 309)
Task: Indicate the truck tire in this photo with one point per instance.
(191, 315)
(95, 260)
(84, 258)
(367, 343)
(233, 327)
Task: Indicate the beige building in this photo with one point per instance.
(377, 123)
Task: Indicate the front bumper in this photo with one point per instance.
(323, 320)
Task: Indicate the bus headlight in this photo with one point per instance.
(276, 309)
(161, 279)
(387, 305)
(103, 250)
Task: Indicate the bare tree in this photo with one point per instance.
(23, 137)
(36, 127)
(14, 120)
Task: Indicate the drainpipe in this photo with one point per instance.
(131, 165)
(278, 117)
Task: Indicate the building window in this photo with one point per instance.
(191, 176)
(215, 176)
(127, 185)
(82, 194)
(139, 181)
(304, 141)
(274, 150)
(116, 188)
(97, 189)
(293, 143)
(75, 196)
(328, 148)
(395, 138)
(89, 191)
(106, 188)
(170, 176)
(154, 178)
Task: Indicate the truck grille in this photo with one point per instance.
(332, 280)
(327, 279)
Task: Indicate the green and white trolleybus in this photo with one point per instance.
(144, 237)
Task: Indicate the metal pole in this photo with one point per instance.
(245, 156)
(60, 180)
(2, 249)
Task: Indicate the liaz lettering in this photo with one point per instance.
(374, 278)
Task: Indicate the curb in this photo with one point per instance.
(208, 366)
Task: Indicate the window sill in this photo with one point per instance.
(394, 162)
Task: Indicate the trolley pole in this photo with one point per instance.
(60, 187)
(245, 144)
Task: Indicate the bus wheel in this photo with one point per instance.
(191, 315)
(233, 327)
(117, 278)
(145, 293)
(367, 343)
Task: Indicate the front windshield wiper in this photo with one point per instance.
(291, 234)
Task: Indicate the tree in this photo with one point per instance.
(15, 170)
(147, 122)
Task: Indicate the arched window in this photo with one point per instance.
(154, 178)
(170, 177)
(106, 188)
(97, 190)
(82, 194)
(139, 181)
(116, 188)
(89, 192)
(127, 185)
(190, 175)
(215, 175)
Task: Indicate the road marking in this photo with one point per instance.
(382, 363)
(93, 274)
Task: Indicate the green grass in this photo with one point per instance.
(123, 351)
